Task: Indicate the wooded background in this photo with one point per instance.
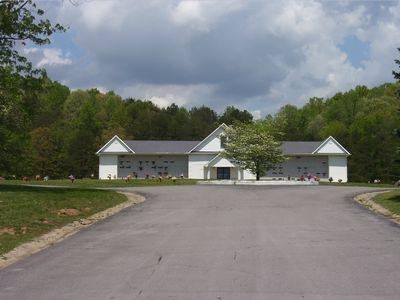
(56, 131)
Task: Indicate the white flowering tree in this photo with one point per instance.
(254, 147)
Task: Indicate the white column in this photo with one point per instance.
(338, 167)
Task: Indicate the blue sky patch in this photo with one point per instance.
(357, 51)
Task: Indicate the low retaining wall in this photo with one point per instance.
(259, 182)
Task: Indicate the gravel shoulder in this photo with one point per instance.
(367, 199)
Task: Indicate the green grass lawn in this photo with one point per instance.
(95, 183)
(28, 212)
(366, 184)
(390, 201)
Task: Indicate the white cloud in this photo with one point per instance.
(203, 14)
(256, 114)
(257, 55)
(188, 11)
(164, 95)
(47, 57)
(53, 57)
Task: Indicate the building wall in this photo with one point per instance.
(152, 165)
(212, 143)
(330, 147)
(197, 163)
(115, 147)
(338, 168)
(246, 175)
(108, 165)
(192, 166)
(301, 165)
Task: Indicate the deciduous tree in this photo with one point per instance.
(253, 147)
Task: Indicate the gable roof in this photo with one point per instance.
(186, 147)
(220, 161)
(173, 147)
(115, 137)
(335, 142)
(223, 125)
(299, 147)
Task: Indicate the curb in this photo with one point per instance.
(367, 201)
(59, 234)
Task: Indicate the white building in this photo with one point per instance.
(202, 159)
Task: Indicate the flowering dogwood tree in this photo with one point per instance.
(254, 147)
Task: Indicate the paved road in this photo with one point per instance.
(201, 242)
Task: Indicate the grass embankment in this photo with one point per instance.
(28, 212)
(390, 201)
(362, 184)
(95, 183)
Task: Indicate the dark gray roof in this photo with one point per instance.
(299, 147)
(179, 147)
(161, 146)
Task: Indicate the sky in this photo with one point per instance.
(255, 55)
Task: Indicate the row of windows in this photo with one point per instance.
(141, 168)
(121, 162)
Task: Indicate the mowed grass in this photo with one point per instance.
(95, 183)
(362, 184)
(390, 201)
(28, 212)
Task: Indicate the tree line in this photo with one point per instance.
(365, 121)
(63, 129)
(60, 130)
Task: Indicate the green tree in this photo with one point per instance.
(233, 115)
(291, 122)
(46, 153)
(49, 106)
(396, 75)
(141, 118)
(83, 141)
(253, 147)
(203, 120)
(21, 22)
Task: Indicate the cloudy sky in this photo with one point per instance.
(257, 55)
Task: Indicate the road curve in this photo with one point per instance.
(218, 242)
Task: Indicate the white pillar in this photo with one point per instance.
(338, 167)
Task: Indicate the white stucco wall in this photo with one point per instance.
(115, 147)
(301, 165)
(330, 148)
(152, 165)
(108, 164)
(197, 163)
(245, 175)
(212, 143)
(338, 168)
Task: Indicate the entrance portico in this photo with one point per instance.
(221, 168)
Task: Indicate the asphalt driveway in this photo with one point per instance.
(202, 242)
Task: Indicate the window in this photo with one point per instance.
(223, 141)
